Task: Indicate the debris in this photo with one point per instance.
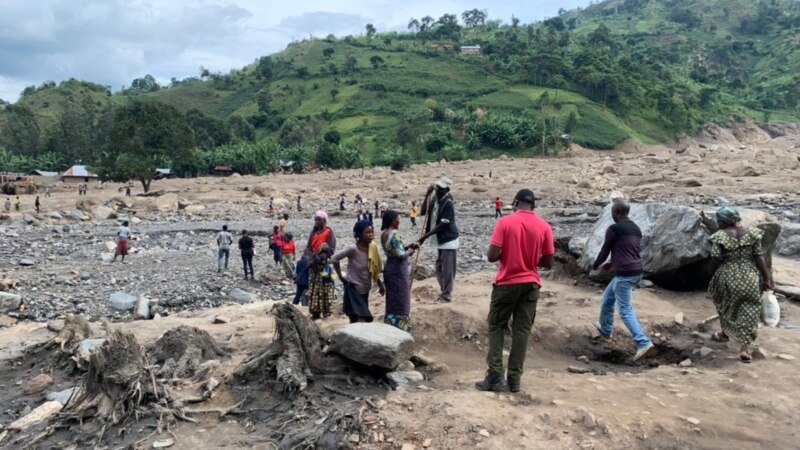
(181, 350)
(164, 443)
(62, 397)
(40, 414)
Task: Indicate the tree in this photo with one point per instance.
(334, 93)
(22, 133)
(474, 18)
(413, 24)
(350, 65)
(145, 135)
(426, 23)
(447, 26)
(572, 123)
(371, 30)
(240, 130)
(376, 61)
(332, 137)
(302, 72)
(145, 84)
(264, 68)
(328, 52)
(264, 101)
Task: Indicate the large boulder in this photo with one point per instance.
(166, 202)
(9, 302)
(675, 246)
(103, 212)
(373, 344)
(86, 204)
(241, 296)
(789, 240)
(121, 301)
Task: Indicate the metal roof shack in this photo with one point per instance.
(78, 174)
(42, 173)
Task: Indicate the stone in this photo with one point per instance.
(54, 215)
(76, 215)
(424, 272)
(578, 370)
(427, 443)
(679, 318)
(103, 212)
(408, 446)
(241, 296)
(577, 245)
(38, 384)
(675, 246)
(646, 284)
(221, 319)
(9, 302)
(87, 346)
(40, 414)
(685, 363)
(373, 344)
(789, 240)
(121, 301)
(61, 396)
(25, 262)
(403, 378)
(705, 351)
(164, 443)
(484, 432)
(786, 357)
(110, 246)
(692, 420)
(141, 310)
(29, 219)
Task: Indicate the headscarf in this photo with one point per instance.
(388, 218)
(321, 215)
(728, 216)
(360, 227)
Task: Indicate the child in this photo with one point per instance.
(413, 214)
(276, 244)
(320, 287)
(287, 253)
(301, 280)
(17, 204)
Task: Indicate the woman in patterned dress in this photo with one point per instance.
(737, 285)
(320, 288)
(396, 273)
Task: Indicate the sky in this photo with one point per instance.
(111, 42)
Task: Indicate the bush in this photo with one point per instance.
(395, 157)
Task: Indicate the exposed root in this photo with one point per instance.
(182, 350)
(295, 353)
(76, 329)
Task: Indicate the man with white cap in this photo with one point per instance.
(443, 233)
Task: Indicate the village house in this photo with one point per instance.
(471, 50)
(78, 174)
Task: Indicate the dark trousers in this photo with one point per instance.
(446, 272)
(413, 222)
(498, 213)
(300, 296)
(247, 261)
(517, 301)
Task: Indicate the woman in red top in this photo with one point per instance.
(287, 252)
(498, 208)
(276, 244)
(321, 234)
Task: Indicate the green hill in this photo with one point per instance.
(619, 69)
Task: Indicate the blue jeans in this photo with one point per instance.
(222, 255)
(620, 291)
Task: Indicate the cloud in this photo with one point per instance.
(113, 41)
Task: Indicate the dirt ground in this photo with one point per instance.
(578, 392)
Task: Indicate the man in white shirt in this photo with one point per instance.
(224, 241)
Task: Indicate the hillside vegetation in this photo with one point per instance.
(646, 69)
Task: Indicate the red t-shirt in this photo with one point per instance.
(288, 248)
(524, 238)
(498, 204)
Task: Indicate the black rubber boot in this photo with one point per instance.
(492, 382)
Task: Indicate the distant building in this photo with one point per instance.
(471, 50)
(42, 173)
(163, 173)
(443, 47)
(78, 174)
(222, 171)
(8, 177)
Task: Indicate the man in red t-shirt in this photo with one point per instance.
(521, 242)
(498, 208)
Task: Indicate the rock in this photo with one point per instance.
(7, 283)
(759, 353)
(76, 215)
(141, 310)
(85, 204)
(66, 228)
(103, 212)
(786, 357)
(675, 246)
(9, 302)
(221, 319)
(576, 246)
(165, 203)
(408, 446)
(87, 346)
(191, 209)
(111, 246)
(578, 370)
(40, 414)
(705, 351)
(61, 396)
(241, 296)
(38, 384)
(121, 301)
(54, 215)
(646, 284)
(789, 240)
(403, 378)
(483, 432)
(29, 219)
(55, 326)
(164, 443)
(692, 420)
(685, 363)
(679, 318)
(373, 344)
(27, 262)
(424, 272)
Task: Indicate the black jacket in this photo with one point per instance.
(446, 213)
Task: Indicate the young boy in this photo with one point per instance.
(301, 280)
(413, 214)
(276, 244)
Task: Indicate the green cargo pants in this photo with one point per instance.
(519, 301)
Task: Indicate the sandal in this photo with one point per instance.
(745, 357)
(718, 336)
